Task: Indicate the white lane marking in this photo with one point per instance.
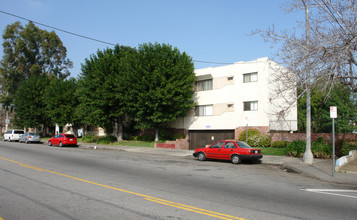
(333, 192)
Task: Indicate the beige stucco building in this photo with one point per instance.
(259, 94)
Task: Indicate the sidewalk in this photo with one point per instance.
(320, 169)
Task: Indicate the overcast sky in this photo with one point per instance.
(207, 30)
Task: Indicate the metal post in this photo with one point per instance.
(246, 134)
(333, 146)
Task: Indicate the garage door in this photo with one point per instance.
(202, 138)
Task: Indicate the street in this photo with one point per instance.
(42, 182)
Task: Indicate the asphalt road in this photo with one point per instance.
(42, 182)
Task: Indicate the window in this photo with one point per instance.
(251, 106)
(218, 145)
(250, 77)
(229, 145)
(204, 85)
(203, 110)
(230, 78)
(230, 105)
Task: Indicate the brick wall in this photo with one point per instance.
(261, 129)
(314, 136)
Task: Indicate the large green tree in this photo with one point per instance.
(61, 101)
(29, 103)
(30, 51)
(101, 102)
(161, 86)
(342, 97)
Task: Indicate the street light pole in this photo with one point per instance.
(308, 157)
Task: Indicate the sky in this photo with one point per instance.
(217, 31)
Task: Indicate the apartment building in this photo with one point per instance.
(257, 94)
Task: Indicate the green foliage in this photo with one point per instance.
(29, 103)
(142, 138)
(273, 151)
(30, 51)
(101, 101)
(261, 140)
(279, 144)
(106, 140)
(347, 147)
(61, 101)
(320, 149)
(89, 139)
(321, 122)
(163, 91)
(296, 148)
(255, 139)
(251, 132)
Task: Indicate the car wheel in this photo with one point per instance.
(60, 144)
(235, 159)
(201, 156)
(49, 143)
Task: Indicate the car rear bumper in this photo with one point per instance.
(195, 154)
(251, 157)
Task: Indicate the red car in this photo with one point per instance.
(63, 139)
(235, 151)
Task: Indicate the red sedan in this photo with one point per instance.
(235, 151)
(63, 139)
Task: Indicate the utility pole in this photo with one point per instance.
(308, 157)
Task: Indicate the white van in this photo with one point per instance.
(13, 135)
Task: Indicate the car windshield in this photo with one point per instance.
(69, 136)
(33, 134)
(242, 144)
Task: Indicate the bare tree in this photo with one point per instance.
(324, 56)
(332, 46)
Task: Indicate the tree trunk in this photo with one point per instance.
(156, 134)
(118, 131)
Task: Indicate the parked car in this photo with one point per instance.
(30, 137)
(13, 135)
(235, 151)
(63, 139)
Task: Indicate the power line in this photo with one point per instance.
(68, 32)
(90, 38)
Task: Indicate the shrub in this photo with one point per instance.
(106, 140)
(251, 132)
(347, 147)
(89, 139)
(321, 149)
(296, 148)
(279, 144)
(255, 139)
(145, 138)
(260, 140)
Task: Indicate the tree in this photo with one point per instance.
(101, 102)
(30, 51)
(324, 56)
(161, 86)
(61, 101)
(342, 97)
(29, 103)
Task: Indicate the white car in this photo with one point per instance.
(13, 135)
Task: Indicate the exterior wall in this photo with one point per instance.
(261, 129)
(228, 89)
(314, 136)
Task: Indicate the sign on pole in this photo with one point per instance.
(333, 112)
(333, 115)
